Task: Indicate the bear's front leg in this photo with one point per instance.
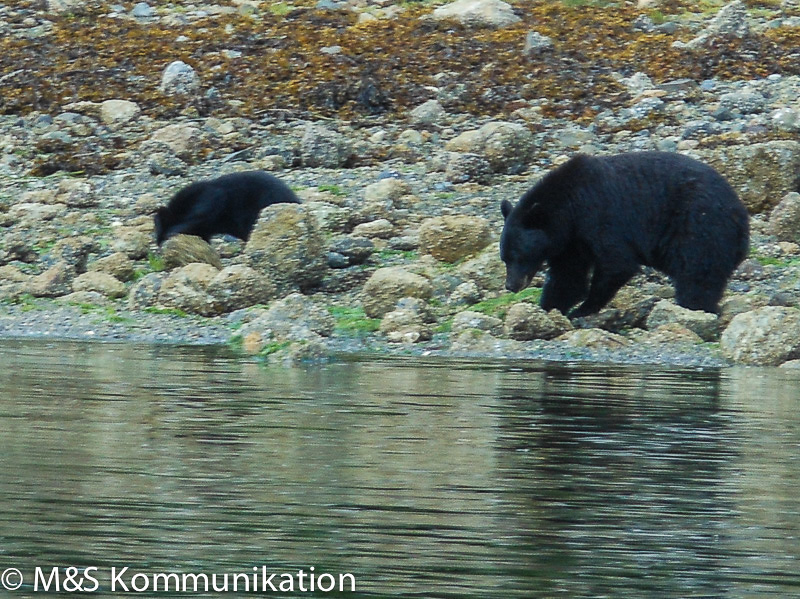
(605, 283)
(566, 284)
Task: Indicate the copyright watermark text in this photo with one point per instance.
(124, 580)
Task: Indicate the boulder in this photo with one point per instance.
(767, 336)
(478, 13)
(451, 238)
(525, 321)
(99, 282)
(388, 285)
(506, 146)
(704, 324)
(784, 220)
(186, 289)
(181, 250)
(239, 286)
(761, 173)
(288, 248)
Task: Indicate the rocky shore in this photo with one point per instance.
(394, 249)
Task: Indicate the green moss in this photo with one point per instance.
(332, 189)
(444, 327)
(26, 302)
(156, 262)
(353, 321)
(498, 306)
(407, 255)
(770, 261)
(274, 347)
(169, 311)
(280, 9)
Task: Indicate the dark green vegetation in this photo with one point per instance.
(281, 66)
(353, 321)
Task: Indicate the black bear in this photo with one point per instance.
(228, 204)
(609, 215)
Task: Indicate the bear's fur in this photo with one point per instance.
(606, 216)
(228, 204)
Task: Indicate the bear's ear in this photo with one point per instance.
(506, 208)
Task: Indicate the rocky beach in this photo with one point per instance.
(401, 126)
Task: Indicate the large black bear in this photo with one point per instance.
(228, 204)
(609, 215)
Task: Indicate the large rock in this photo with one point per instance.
(99, 282)
(525, 321)
(451, 238)
(74, 251)
(761, 173)
(784, 221)
(181, 250)
(287, 247)
(486, 270)
(292, 320)
(704, 324)
(76, 193)
(323, 147)
(469, 319)
(144, 293)
(55, 281)
(182, 139)
(187, 289)
(118, 112)
(461, 167)
(766, 336)
(132, 242)
(117, 264)
(389, 189)
(506, 146)
(388, 285)
(594, 339)
(405, 326)
(239, 286)
(730, 21)
(478, 13)
(179, 79)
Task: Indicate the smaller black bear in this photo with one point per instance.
(228, 204)
(609, 215)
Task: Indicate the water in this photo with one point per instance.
(445, 479)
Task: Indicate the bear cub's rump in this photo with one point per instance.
(595, 220)
(226, 205)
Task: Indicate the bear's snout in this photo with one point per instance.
(517, 283)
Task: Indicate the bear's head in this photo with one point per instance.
(522, 249)
(163, 222)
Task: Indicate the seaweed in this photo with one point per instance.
(384, 66)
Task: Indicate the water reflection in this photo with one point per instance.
(424, 480)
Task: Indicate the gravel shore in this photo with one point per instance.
(401, 167)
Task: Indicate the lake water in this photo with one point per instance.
(418, 479)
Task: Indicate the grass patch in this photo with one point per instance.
(156, 262)
(772, 261)
(353, 321)
(26, 302)
(168, 311)
(280, 9)
(444, 327)
(332, 189)
(498, 306)
(107, 313)
(274, 347)
(404, 254)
